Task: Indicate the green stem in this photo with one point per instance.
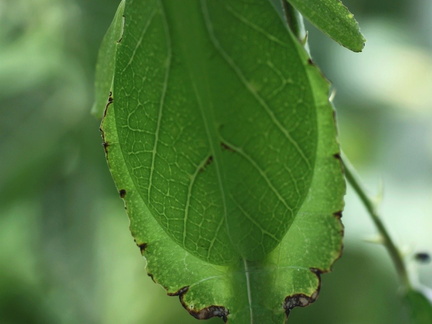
(295, 21)
(370, 207)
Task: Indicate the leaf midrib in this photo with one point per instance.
(198, 78)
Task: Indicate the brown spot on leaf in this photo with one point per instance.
(338, 214)
(142, 246)
(105, 146)
(151, 276)
(110, 101)
(180, 292)
(226, 147)
(338, 157)
(209, 312)
(207, 163)
(303, 300)
(121, 36)
(205, 313)
(298, 300)
(310, 62)
(122, 193)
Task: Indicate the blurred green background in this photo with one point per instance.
(66, 255)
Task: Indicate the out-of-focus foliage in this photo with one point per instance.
(66, 255)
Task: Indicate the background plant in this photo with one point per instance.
(66, 249)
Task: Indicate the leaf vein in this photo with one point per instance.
(262, 173)
(249, 87)
(161, 104)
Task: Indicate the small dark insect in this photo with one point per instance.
(422, 257)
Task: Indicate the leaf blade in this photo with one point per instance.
(224, 285)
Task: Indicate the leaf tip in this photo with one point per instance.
(359, 45)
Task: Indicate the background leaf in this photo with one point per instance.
(219, 126)
(334, 19)
(419, 306)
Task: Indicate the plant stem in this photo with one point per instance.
(401, 269)
(295, 22)
(293, 18)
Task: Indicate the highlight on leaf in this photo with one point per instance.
(333, 19)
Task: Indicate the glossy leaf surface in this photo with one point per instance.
(221, 140)
(334, 19)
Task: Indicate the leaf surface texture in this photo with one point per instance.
(221, 140)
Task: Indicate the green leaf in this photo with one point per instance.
(106, 63)
(221, 140)
(419, 306)
(334, 19)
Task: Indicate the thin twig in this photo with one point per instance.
(401, 269)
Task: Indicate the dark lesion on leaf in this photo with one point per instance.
(142, 246)
(226, 147)
(202, 314)
(207, 163)
(151, 277)
(338, 214)
(105, 145)
(209, 312)
(122, 193)
(180, 292)
(303, 300)
(298, 300)
(338, 158)
(109, 102)
(318, 272)
(121, 36)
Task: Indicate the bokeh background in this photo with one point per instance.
(66, 255)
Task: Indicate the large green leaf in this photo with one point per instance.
(221, 140)
(334, 19)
